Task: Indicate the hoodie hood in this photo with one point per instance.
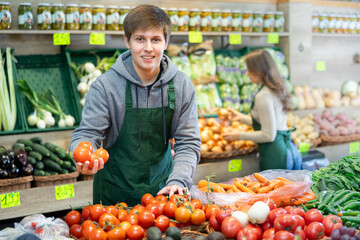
(123, 66)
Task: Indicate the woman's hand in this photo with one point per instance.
(235, 115)
(84, 167)
(172, 189)
(233, 136)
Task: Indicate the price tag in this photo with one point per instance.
(97, 39)
(304, 147)
(195, 37)
(353, 148)
(235, 38)
(273, 38)
(235, 165)
(10, 199)
(61, 38)
(64, 191)
(320, 66)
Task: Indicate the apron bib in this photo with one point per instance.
(132, 171)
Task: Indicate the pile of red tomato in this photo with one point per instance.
(97, 222)
(84, 152)
(281, 224)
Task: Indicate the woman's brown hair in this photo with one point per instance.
(145, 17)
(260, 62)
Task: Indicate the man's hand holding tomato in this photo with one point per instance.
(87, 161)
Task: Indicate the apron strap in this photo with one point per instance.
(171, 94)
(128, 99)
(287, 135)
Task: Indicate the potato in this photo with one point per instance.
(313, 135)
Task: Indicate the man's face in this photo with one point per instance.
(147, 49)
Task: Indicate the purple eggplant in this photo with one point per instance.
(11, 154)
(20, 157)
(27, 170)
(3, 173)
(5, 162)
(13, 171)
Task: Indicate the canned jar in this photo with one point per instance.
(226, 21)
(206, 20)
(339, 24)
(269, 22)
(352, 24)
(257, 25)
(358, 23)
(99, 17)
(124, 10)
(72, 17)
(346, 22)
(25, 16)
(5, 16)
(43, 16)
(173, 15)
(112, 18)
(332, 23)
(58, 16)
(216, 20)
(194, 20)
(85, 17)
(183, 22)
(279, 25)
(236, 21)
(315, 22)
(247, 21)
(323, 23)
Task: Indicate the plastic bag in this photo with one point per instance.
(9, 234)
(282, 196)
(43, 227)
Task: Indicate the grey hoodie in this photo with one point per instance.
(104, 111)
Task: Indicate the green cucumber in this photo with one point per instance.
(39, 172)
(36, 155)
(39, 166)
(61, 153)
(67, 164)
(18, 145)
(64, 171)
(28, 149)
(47, 173)
(52, 147)
(53, 156)
(32, 160)
(36, 140)
(41, 149)
(60, 162)
(72, 169)
(26, 142)
(51, 165)
(53, 173)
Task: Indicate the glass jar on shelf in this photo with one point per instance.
(5, 16)
(194, 19)
(173, 15)
(247, 21)
(279, 25)
(216, 20)
(112, 18)
(258, 23)
(206, 20)
(183, 22)
(315, 22)
(124, 10)
(226, 20)
(346, 22)
(43, 16)
(99, 17)
(339, 24)
(25, 16)
(332, 23)
(236, 21)
(358, 23)
(58, 16)
(323, 23)
(352, 24)
(269, 22)
(72, 17)
(85, 17)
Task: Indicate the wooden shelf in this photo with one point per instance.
(86, 32)
(337, 35)
(335, 4)
(351, 111)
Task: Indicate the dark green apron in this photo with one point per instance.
(273, 155)
(131, 172)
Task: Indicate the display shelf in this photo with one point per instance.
(352, 111)
(85, 32)
(336, 35)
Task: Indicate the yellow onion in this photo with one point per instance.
(238, 144)
(216, 137)
(216, 129)
(212, 121)
(211, 143)
(220, 144)
(216, 149)
(228, 147)
(201, 126)
(204, 148)
(235, 124)
(205, 135)
(202, 121)
(224, 113)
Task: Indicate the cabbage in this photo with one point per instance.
(183, 64)
(349, 87)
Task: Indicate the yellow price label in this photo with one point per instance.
(353, 147)
(235, 165)
(235, 38)
(273, 38)
(61, 38)
(97, 39)
(304, 147)
(195, 37)
(320, 66)
(64, 191)
(10, 199)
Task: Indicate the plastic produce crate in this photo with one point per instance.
(48, 71)
(82, 56)
(20, 117)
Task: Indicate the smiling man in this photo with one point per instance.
(135, 108)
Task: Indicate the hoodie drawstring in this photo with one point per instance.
(138, 119)
(163, 111)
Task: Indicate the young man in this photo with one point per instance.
(135, 108)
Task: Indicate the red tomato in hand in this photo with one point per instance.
(135, 232)
(146, 219)
(82, 155)
(315, 231)
(101, 152)
(285, 222)
(329, 223)
(275, 213)
(313, 215)
(73, 217)
(162, 222)
(76, 230)
(230, 227)
(284, 235)
(85, 144)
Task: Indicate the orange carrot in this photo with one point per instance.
(243, 188)
(307, 196)
(202, 183)
(284, 179)
(266, 188)
(260, 178)
(235, 189)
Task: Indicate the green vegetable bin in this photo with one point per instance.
(49, 71)
(20, 117)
